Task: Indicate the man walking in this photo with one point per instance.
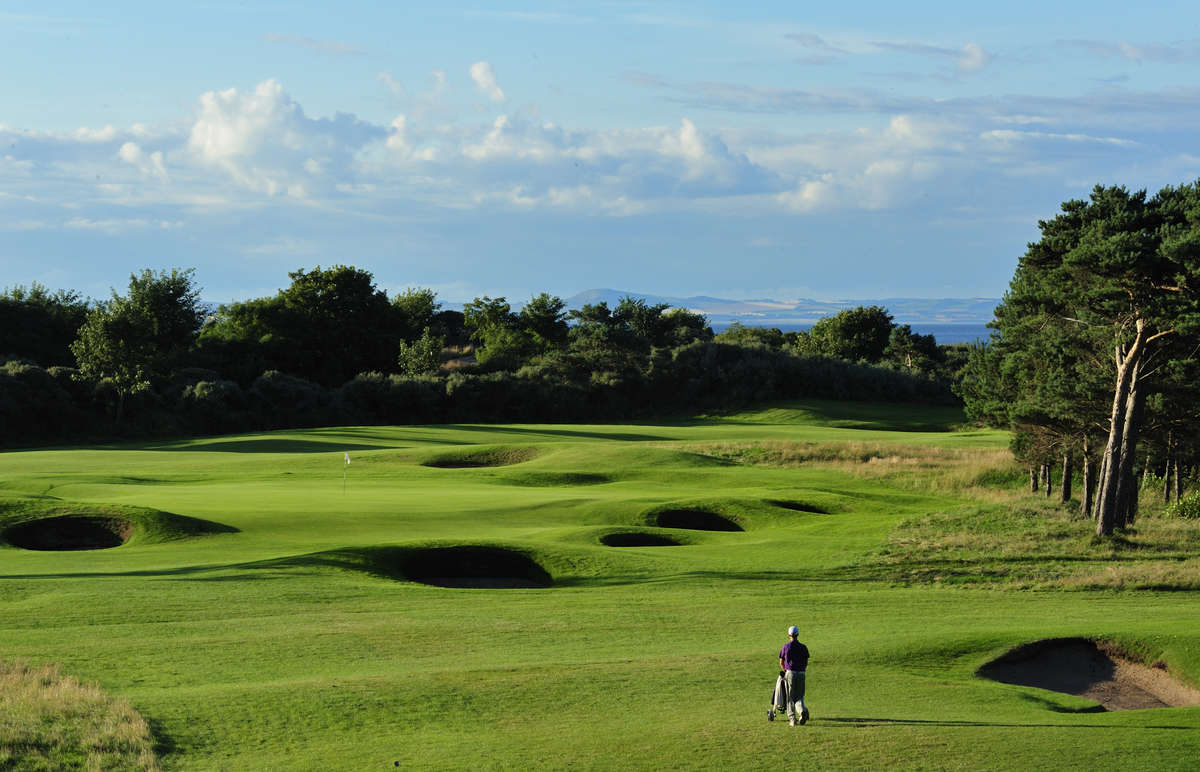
(793, 661)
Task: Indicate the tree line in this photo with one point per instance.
(332, 347)
(1093, 360)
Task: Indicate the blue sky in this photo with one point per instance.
(855, 150)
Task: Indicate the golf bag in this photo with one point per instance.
(778, 698)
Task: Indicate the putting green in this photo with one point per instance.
(303, 629)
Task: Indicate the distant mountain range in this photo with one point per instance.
(765, 312)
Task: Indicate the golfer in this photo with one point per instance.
(793, 661)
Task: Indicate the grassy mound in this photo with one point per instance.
(49, 721)
(58, 526)
(474, 458)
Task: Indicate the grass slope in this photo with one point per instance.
(289, 638)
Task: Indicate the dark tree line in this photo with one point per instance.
(1093, 361)
(333, 348)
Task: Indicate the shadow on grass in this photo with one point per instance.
(268, 445)
(543, 431)
(859, 722)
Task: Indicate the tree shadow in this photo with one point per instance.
(545, 431)
(859, 722)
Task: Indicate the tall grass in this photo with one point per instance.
(49, 721)
(1001, 535)
(977, 473)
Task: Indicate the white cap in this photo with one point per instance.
(793, 630)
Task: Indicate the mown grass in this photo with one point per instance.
(50, 721)
(295, 640)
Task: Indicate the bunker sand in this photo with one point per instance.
(1093, 670)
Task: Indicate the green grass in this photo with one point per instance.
(282, 633)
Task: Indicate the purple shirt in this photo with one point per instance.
(794, 655)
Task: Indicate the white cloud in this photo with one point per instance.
(149, 164)
(485, 81)
(1010, 136)
(116, 226)
(973, 58)
(265, 142)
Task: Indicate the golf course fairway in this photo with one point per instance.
(593, 597)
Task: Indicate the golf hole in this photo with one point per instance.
(69, 532)
(482, 458)
(474, 567)
(637, 539)
(695, 520)
(800, 506)
(1095, 670)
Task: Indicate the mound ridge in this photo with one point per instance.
(63, 528)
(1095, 670)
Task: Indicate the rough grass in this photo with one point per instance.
(1006, 536)
(978, 472)
(49, 721)
(1040, 545)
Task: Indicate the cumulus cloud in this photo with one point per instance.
(485, 81)
(149, 164)
(264, 141)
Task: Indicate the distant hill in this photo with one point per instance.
(765, 312)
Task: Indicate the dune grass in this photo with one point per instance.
(52, 722)
(296, 637)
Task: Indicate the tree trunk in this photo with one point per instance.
(1127, 484)
(1106, 497)
(1178, 481)
(1167, 471)
(1065, 490)
(1033, 479)
(1101, 474)
(1046, 479)
(1089, 473)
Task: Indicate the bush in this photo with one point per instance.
(1188, 507)
(215, 406)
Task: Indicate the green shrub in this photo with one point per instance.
(1188, 507)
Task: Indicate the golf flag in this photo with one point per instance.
(347, 459)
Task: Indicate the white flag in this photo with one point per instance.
(347, 459)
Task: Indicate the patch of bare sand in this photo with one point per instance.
(1093, 670)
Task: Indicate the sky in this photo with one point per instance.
(739, 150)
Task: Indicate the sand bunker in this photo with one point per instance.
(636, 539)
(1093, 670)
(554, 479)
(695, 520)
(478, 567)
(800, 506)
(482, 458)
(69, 532)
